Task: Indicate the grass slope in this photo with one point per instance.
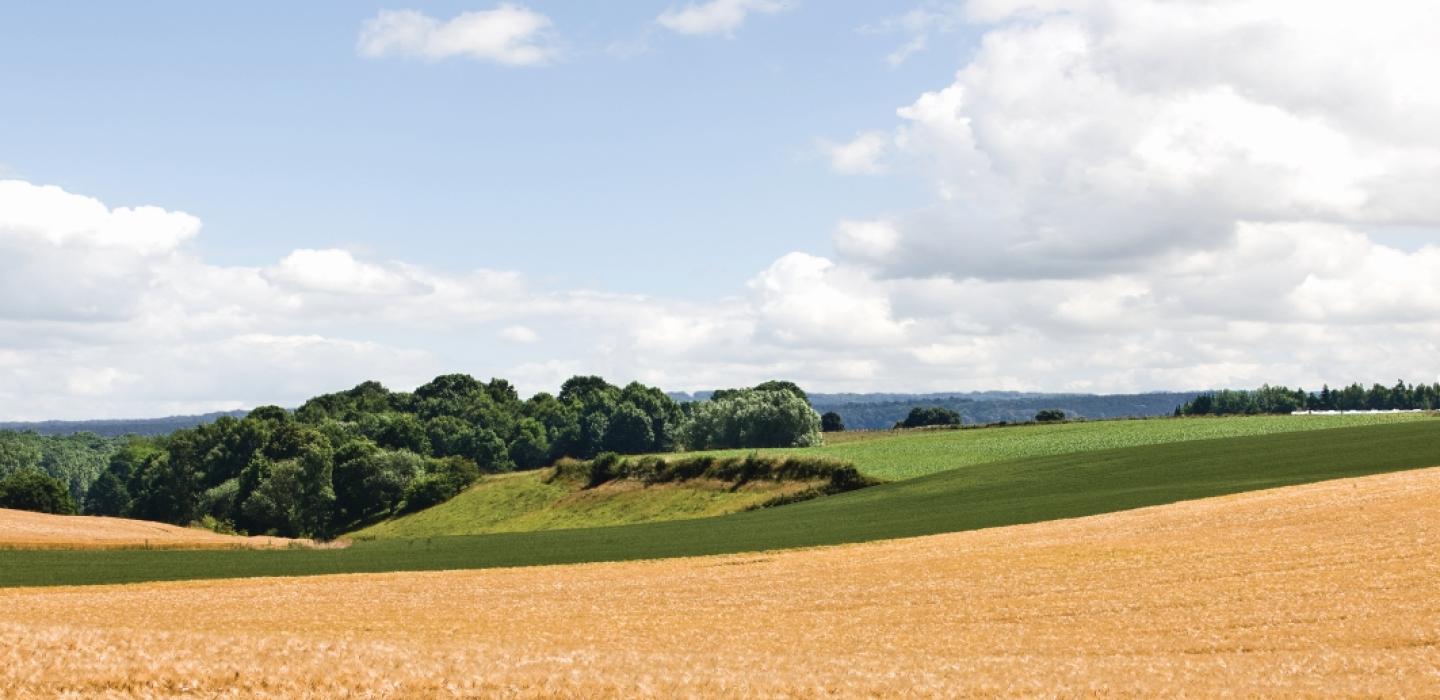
(1001, 493)
(912, 453)
(524, 502)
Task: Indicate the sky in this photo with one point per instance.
(207, 207)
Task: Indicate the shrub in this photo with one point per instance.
(1050, 415)
(831, 423)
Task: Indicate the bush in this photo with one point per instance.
(831, 423)
(33, 490)
(1050, 415)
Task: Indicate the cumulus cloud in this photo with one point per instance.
(716, 16)
(1093, 136)
(860, 156)
(509, 34)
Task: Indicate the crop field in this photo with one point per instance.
(1323, 589)
(983, 496)
(907, 454)
(26, 530)
(525, 502)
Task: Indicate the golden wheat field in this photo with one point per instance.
(1331, 589)
(25, 530)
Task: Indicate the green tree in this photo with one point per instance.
(629, 431)
(531, 447)
(34, 490)
(831, 422)
(751, 418)
(108, 496)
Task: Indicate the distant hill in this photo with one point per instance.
(883, 410)
(118, 427)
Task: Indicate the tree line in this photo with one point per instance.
(1280, 399)
(345, 459)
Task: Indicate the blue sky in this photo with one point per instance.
(209, 207)
(695, 153)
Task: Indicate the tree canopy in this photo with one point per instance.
(32, 489)
(345, 459)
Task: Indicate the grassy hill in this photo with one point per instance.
(530, 501)
(892, 455)
(1000, 493)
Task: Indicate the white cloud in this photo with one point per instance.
(509, 34)
(1088, 137)
(806, 299)
(60, 219)
(860, 156)
(523, 335)
(866, 240)
(338, 271)
(716, 16)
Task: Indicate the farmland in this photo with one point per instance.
(26, 530)
(988, 495)
(1322, 589)
(907, 454)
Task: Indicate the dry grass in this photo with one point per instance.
(25, 530)
(1325, 589)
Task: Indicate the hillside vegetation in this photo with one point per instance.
(352, 458)
(990, 495)
(1320, 590)
(905, 454)
(615, 491)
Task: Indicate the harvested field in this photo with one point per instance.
(1330, 588)
(21, 529)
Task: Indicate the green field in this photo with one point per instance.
(525, 502)
(1000, 493)
(911, 453)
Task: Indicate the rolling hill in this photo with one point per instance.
(989, 495)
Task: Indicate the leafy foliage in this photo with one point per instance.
(31, 489)
(753, 418)
(76, 460)
(831, 422)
